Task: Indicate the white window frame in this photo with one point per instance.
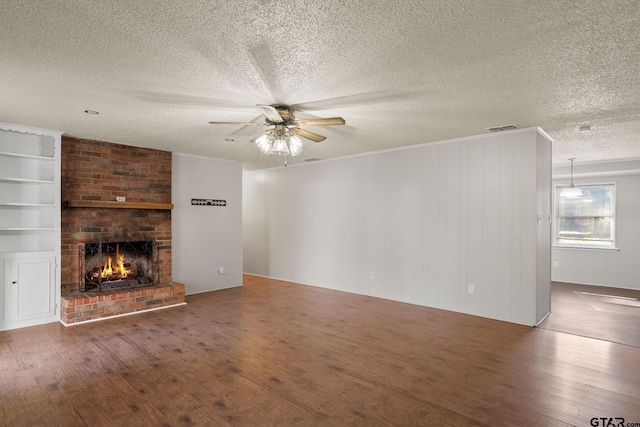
(612, 246)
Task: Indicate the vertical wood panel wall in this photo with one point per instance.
(427, 221)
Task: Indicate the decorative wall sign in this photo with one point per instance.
(208, 202)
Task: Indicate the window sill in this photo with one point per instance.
(580, 248)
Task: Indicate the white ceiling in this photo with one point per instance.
(399, 72)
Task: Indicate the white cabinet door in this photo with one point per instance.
(32, 289)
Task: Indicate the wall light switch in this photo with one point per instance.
(472, 289)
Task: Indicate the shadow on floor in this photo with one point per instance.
(610, 314)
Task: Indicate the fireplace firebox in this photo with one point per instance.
(119, 265)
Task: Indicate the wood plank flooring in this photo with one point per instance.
(605, 313)
(274, 353)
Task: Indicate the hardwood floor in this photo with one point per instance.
(605, 313)
(278, 353)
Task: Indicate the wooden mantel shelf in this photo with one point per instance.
(116, 205)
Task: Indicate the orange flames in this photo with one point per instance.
(115, 269)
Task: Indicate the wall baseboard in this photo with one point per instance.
(595, 284)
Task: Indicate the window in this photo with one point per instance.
(588, 221)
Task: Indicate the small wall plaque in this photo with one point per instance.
(208, 202)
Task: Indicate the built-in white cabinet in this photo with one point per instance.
(29, 225)
(31, 288)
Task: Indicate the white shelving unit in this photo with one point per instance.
(29, 225)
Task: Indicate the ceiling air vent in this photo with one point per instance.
(501, 128)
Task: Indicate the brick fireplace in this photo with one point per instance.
(94, 173)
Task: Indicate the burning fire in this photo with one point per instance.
(115, 269)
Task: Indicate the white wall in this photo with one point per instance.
(427, 221)
(596, 267)
(206, 238)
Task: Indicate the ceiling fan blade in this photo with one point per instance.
(226, 101)
(329, 121)
(237, 123)
(380, 97)
(271, 113)
(263, 59)
(308, 134)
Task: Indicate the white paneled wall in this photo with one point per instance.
(206, 238)
(543, 235)
(427, 221)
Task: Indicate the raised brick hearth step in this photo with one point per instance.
(89, 306)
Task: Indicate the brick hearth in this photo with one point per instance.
(88, 306)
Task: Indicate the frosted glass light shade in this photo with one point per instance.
(571, 193)
(280, 147)
(265, 143)
(295, 145)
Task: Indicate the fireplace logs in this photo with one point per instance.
(119, 265)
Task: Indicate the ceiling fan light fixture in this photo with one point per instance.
(279, 141)
(285, 138)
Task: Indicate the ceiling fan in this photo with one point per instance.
(284, 138)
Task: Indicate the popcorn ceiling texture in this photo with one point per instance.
(399, 72)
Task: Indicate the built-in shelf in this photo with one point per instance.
(25, 156)
(27, 181)
(116, 205)
(26, 228)
(35, 205)
(29, 225)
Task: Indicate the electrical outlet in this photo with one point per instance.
(372, 276)
(221, 270)
(472, 289)
(120, 199)
(555, 263)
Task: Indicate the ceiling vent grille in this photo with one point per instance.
(501, 128)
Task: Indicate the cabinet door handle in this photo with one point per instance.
(14, 283)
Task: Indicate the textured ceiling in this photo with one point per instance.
(399, 72)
